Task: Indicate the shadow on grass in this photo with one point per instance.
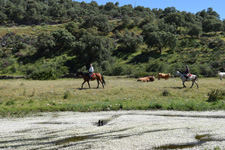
(88, 88)
(175, 87)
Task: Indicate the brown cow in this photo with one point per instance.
(144, 79)
(147, 79)
(163, 76)
(151, 78)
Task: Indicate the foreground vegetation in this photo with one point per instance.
(23, 97)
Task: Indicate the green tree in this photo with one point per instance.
(109, 6)
(126, 21)
(161, 40)
(45, 42)
(150, 27)
(174, 18)
(130, 42)
(92, 48)
(212, 24)
(63, 39)
(71, 27)
(195, 30)
(100, 21)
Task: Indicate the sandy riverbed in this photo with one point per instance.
(120, 130)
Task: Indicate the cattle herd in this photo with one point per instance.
(152, 78)
(166, 76)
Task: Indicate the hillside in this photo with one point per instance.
(124, 40)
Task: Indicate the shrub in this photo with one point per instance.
(46, 74)
(66, 94)
(166, 93)
(155, 106)
(11, 102)
(216, 95)
(156, 66)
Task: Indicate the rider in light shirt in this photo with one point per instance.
(90, 71)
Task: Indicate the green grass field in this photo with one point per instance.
(22, 97)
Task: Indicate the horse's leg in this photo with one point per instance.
(192, 84)
(183, 84)
(98, 83)
(82, 84)
(102, 84)
(196, 83)
(88, 84)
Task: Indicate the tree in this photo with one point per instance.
(167, 27)
(169, 10)
(92, 48)
(130, 41)
(211, 24)
(150, 27)
(195, 30)
(174, 18)
(126, 21)
(161, 40)
(209, 11)
(45, 42)
(100, 21)
(71, 27)
(63, 39)
(223, 24)
(109, 6)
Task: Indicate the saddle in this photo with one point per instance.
(187, 76)
(93, 74)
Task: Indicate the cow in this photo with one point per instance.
(163, 76)
(221, 75)
(151, 78)
(147, 79)
(144, 79)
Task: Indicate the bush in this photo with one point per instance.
(166, 93)
(67, 94)
(216, 95)
(156, 66)
(155, 106)
(46, 74)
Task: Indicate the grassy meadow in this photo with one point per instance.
(22, 97)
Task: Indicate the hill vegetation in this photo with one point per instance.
(44, 39)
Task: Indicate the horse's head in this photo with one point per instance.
(177, 73)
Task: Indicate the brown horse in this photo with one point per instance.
(94, 76)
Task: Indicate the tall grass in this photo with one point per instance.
(19, 97)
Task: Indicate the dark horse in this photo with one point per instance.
(94, 76)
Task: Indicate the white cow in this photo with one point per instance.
(221, 75)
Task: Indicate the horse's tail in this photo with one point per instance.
(103, 79)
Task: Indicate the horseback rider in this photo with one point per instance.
(90, 71)
(187, 72)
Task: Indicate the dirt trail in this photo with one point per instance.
(115, 130)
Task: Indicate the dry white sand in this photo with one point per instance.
(127, 130)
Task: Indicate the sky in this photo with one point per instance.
(192, 6)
